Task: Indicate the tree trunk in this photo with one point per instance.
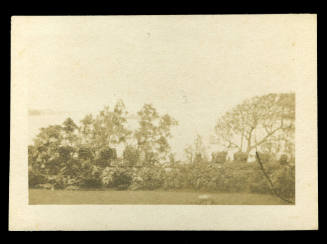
(248, 148)
(249, 140)
(242, 139)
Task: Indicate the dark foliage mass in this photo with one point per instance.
(241, 157)
(71, 156)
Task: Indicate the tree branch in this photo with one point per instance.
(266, 137)
(270, 181)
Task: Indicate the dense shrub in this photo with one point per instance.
(258, 184)
(62, 181)
(149, 178)
(176, 178)
(231, 177)
(265, 157)
(201, 175)
(240, 157)
(122, 179)
(85, 153)
(282, 177)
(35, 179)
(150, 159)
(106, 156)
(205, 177)
(117, 177)
(131, 156)
(234, 176)
(65, 152)
(284, 181)
(90, 182)
(283, 159)
(90, 175)
(219, 157)
(198, 158)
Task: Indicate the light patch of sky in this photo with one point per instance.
(193, 67)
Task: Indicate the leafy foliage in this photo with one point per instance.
(265, 157)
(150, 178)
(240, 156)
(219, 157)
(131, 156)
(153, 134)
(71, 156)
(262, 122)
(117, 177)
(283, 159)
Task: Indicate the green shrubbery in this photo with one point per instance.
(240, 157)
(73, 156)
(219, 157)
(117, 177)
(283, 159)
(90, 175)
(35, 179)
(284, 181)
(265, 157)
(228, 177)
(150, 178)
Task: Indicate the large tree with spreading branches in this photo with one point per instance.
(265, 123)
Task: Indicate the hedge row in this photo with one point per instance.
(228, 177)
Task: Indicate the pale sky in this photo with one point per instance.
(193, 67)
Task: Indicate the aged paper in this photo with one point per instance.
(192, 103)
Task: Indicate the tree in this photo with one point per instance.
(45, 151)
(172, 159)
(100, 136)
(262, 122)
(68, 153)
(153, 134)
(69, 126)
(197, 152)
(70, 137)
(199, 146)
(109, 127)
(189, 153)
(87, 130)
(106, 156)
(131, 155)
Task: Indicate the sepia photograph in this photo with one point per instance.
(204, 111)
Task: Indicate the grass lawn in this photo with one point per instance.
(37, 196)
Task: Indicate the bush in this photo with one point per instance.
(283, 159)
(219, 157)
(175, 178)
(265, 157)
(258, 183)
(35, 179)
(122, 179)
(282, 177)
(90, 182)
(198, 158)
(90, 176)
(240, 157)
(85, 153)
(117, 177)
(131, 155)
(150, 178)
(284, 182)
(233, 177)
(106, 156)
(236, 176)
(62, 181)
